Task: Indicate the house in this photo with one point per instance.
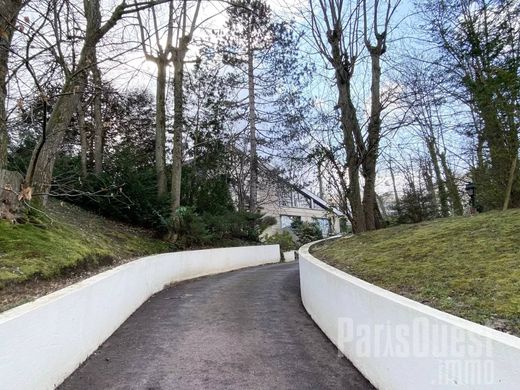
(286, 202)
(278, 197)
(289, 203)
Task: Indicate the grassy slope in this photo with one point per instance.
(467, 266)
(69, 239)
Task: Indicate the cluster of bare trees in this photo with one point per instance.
(423, 101)
(460, 100)
(181, 23)
(442, 109)
(474, 67)
(79, 48)
(72, 45)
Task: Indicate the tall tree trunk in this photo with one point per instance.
(160, 132)
(348, 119)
(99, 130)
(10, 186)
(41, 166)
(512, 176)
(394, 187)
(178, 57)
(83, 139)
(350, 128)
(443, 196)
(178, 119)
(253, 158)
(10, 10)
(372, 150)
(161, 60)
(453, 191)
(428, 181)
(370, 154)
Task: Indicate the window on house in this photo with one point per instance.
(285, 199)
(287, 220)
(324, 224)
(301, 201)
(294, 199)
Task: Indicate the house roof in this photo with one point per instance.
(268, 168)
(320, 201)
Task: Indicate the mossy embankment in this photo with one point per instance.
(467, 266)
(60, 246)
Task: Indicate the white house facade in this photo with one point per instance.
(286, 203)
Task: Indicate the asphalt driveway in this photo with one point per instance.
(240, 330)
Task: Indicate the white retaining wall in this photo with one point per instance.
(400, 344)
(43, 342)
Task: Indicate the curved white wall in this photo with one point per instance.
(400, 344)
(43, 342)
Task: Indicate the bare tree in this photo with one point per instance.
(184, 35)
(336, 30)
(342, 54)
(8, 20)
(376, 50)
(99, 133)
(83, 140)
(41, 166)
(161, 54)
(424, 102)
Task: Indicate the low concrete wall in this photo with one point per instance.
(401, 344)
(289, 256)
(43, 342)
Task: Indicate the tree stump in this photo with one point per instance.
(10, 187)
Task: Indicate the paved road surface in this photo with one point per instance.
(240, 330)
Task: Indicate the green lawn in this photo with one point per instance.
(467, 266)
(68, 239)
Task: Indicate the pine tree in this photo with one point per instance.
(262, 52)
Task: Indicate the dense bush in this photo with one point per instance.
(190, 228)
(306, 231)
(209, 230)
(129, 194)
(126, 190)
(205, 193)
(416, 206)
(267, 221)
(284, 238)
